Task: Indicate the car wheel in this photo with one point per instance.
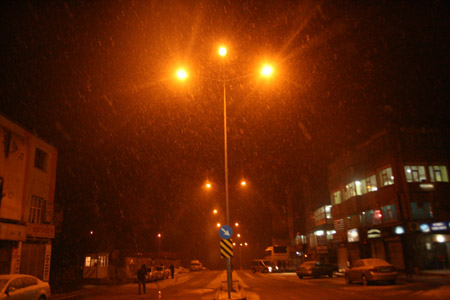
(330, 274)
(364, 280)
(300, 276)
(254, 270)
(347, 279)
(41, 298)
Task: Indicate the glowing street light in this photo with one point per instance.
(208, 185)
(267, 71)
(222, 51)
(182, 74)
(243, 183)
(215, 211)
(218, 225)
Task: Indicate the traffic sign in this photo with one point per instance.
(226, 248)
(225, 232)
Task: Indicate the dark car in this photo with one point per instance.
(316, 269)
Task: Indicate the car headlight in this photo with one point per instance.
(270, 269)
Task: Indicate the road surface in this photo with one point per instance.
(204, 285)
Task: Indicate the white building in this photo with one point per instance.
(27, 189)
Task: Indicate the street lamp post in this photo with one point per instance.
(266, 71)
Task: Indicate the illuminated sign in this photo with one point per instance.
(427, 186)
(424, 227)
(399, 230)
(438, 226)
(373, 233)
(352, 235)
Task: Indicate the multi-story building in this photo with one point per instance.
(321, 242)
(390, 199)
(27, 188)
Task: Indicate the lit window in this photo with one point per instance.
(328, 211)
(438, 173)
(336, 197)
(330, 234)
(350, 190)
(87, 262)
(386, 177)
(319, 233)
(415, 173)
(369, 184)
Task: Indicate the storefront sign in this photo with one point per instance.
(39, 230)
(399, 230)
(438, 226)
(373, 233)
(12, 232)
(424, 227)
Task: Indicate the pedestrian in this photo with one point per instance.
(141, 278)
(172, 270)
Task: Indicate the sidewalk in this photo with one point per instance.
(426, 275)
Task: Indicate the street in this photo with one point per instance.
(258, 286)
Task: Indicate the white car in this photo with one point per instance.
(369, 270)
(22, 286)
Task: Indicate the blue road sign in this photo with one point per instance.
(225, 232)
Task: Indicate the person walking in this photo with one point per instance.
(141, 278)
(172, 270)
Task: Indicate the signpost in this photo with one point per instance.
(226, 233)
(226, 248)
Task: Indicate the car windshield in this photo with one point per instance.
(3, 282)
(309, 264)
(376, 262)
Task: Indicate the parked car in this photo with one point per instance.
(316, 269)
(369, 270)
(164, 272)
(152, 274)
(260, 265)
(21, 286)
(196, 265)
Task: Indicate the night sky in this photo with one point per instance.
(95, 79)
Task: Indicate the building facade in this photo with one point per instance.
(390, 199)
(27, 188)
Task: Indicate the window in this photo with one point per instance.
(336, 197)
(415, 173)
(389, 213)
(386, 177)
(40, 159)
(421, 210)
(87, 262)
(102, 261)
(438, 173)
(371, 217)
(350, 190)
(328, 211)
(36, 210)
(369, 184)
(330, 234)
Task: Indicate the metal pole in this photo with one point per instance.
(226, 181)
